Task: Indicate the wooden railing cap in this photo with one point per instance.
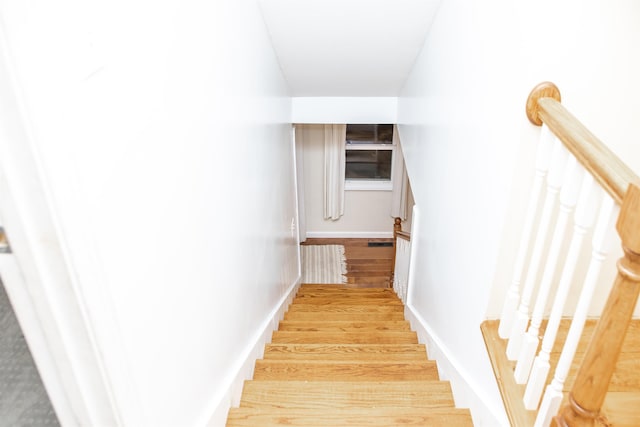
(542, 90)
(543, 106)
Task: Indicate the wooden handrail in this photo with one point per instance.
(613, 174)
(403, 235)
(623, 185)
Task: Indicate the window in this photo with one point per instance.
(369, 156)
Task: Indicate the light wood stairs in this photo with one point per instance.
(346, 357)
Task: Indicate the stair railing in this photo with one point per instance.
(401, 260)
(595, 189)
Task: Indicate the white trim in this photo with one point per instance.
(370, 147)
(45, 292)
(25, 312)
(466, 392)
(349, 234)
(217, 413)
(367, 185)
(372, 184)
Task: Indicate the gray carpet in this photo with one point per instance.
(23, 399)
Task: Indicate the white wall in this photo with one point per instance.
(162, 130)
(366, 213)
(462, 125)
(330, 109)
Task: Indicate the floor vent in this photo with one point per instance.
(379, 244)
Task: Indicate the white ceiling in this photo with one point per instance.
(347, 47)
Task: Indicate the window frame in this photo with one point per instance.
(371, 184)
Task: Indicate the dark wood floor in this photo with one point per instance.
(367, 267)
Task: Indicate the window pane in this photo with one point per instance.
(369, 134)
(368, 164)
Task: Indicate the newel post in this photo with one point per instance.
(397, 226)
(594, 375)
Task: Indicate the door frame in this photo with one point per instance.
(39, 279)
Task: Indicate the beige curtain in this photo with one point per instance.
(334, 162)
(299, 142)
(400, 191)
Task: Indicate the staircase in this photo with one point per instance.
(346, 356)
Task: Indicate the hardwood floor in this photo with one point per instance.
(367, 266)
(623, 400)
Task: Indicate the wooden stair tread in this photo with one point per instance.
(242, 417)
(344, 316)
(344, 286)
(378, 294)
(625, 378)
(621, 408)
(347, 308)
(314, 370)
(377, 266)
(355, 299)
(344, 352)
(325, 302)
(311, 290)
(346, 394)
(335, 286)
(372, 337)
(368, 273)
(371, 280)
(348, 326)
(365, 261)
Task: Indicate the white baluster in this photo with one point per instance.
(584, 217)
(602, 239)
(401, 269)
(510, 306)
(568, 200)
(554, 181)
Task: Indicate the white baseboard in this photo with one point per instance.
(466, 392)
(349, 235)
(217, 415)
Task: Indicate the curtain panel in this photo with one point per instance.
(400, 191)
(334, 170)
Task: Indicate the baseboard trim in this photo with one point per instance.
(467, 393)
(243, 370)
(349, 235)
